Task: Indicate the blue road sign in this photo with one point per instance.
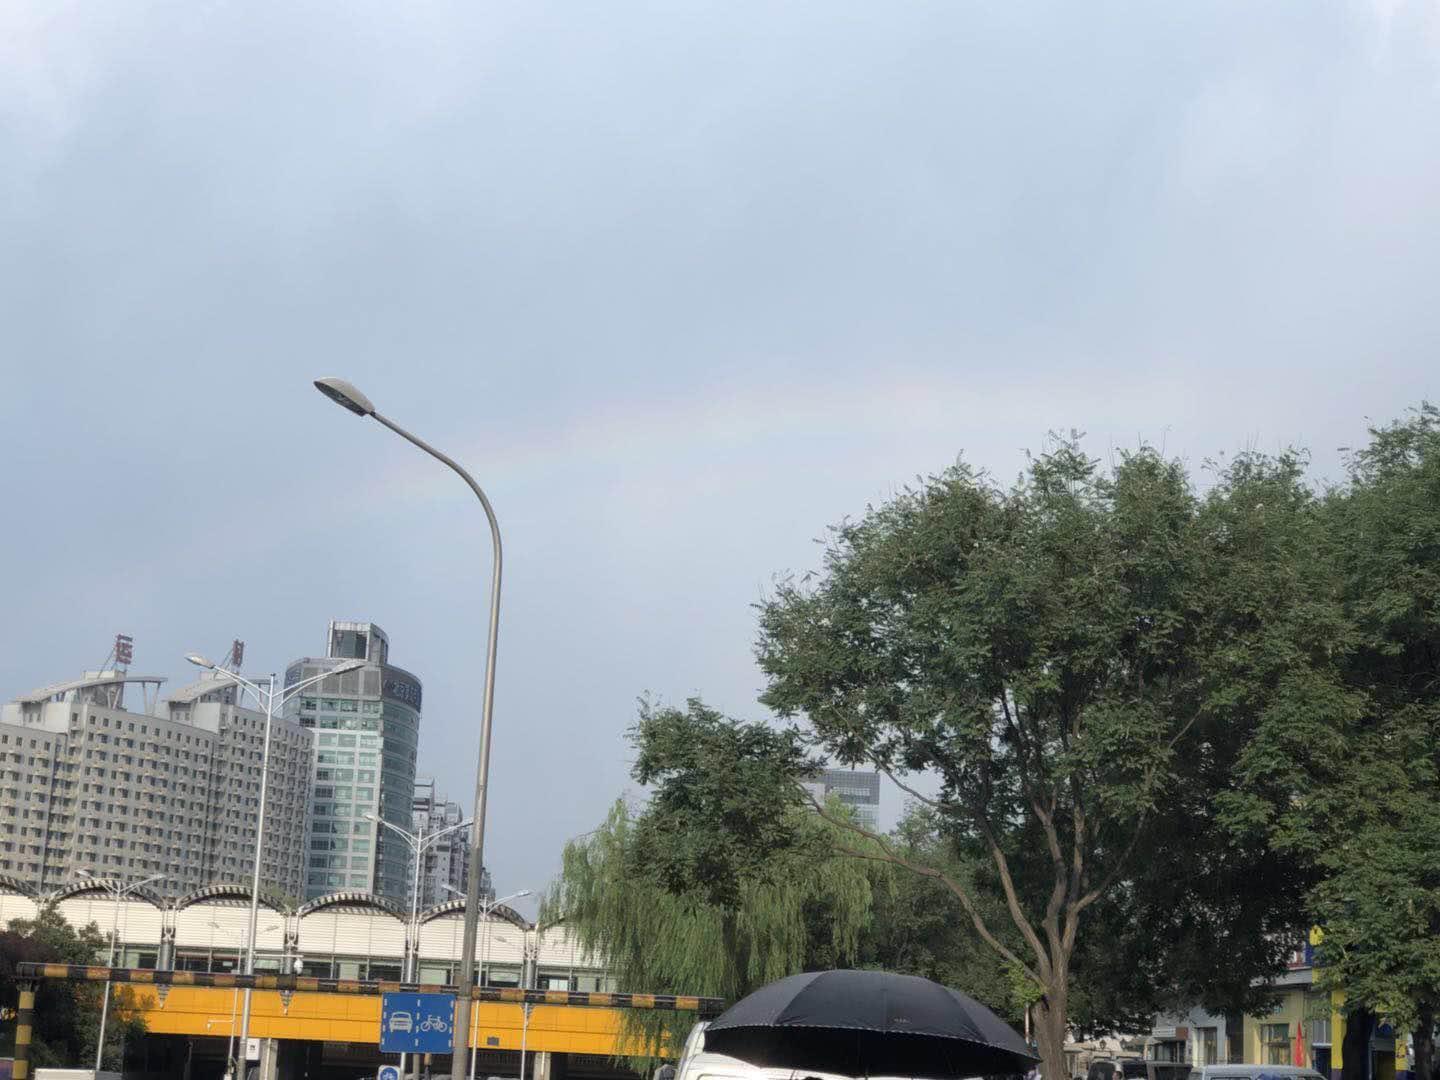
(417, 1023)
(388, 1072)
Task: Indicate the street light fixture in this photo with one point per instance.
(418, 843)
(234, 995)
(488, 907)
(267, 697)
(117, 894)
(347, 396)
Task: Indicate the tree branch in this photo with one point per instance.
(886, 854)
(1115, 871)
(934, 804)
(1012, 897)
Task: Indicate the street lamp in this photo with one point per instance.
(234, 995)
(418, 843)
(348, 397)
(487, 906)
(117, 894)
(267, 697)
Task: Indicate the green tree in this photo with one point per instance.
(1078, 661)
(1371, 816)
(67, 1015)
(808, 913)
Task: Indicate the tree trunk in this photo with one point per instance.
(1050, 1030)
(1356, 1047)
(1424, 1067)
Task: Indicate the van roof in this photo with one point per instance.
(709, 1063)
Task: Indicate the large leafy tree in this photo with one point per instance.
(67, 1015)
(1065, 672)
(1371, 815)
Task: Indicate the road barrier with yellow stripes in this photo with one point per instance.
(348, 1010)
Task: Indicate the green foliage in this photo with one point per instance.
(1095, 665)
(67, 1015)
(739, 778)
(808, 911)
(1377, 830)
(1158, 725)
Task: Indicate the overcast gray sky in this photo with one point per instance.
(682, 282)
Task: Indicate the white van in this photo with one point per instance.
(697, 1063)
(1255, 1072)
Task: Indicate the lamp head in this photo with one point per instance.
(349, 665)
(199, 661)
(345, 394)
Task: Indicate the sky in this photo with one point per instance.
(682, 283)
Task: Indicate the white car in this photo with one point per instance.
(697, 1063)
(402, 1021)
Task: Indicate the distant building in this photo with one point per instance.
(446, 863)
(366, 724)
(172, 789)
(857, 789)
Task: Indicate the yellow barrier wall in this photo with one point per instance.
(346, 1018)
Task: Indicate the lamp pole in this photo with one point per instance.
(418, 842)
(267, 697)
(234, 995)
(117, 894)
(349, 397)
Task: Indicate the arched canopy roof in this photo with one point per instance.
(351, 899)
(232, 892)
(502, 911)
(106, 886)
(15, 885)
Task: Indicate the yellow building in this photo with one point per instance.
(1308, 1027)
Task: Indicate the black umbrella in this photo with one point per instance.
(868, 1023)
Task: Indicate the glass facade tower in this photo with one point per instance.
(367, 725)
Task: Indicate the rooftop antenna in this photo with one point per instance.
(121, 654)
(234, 656)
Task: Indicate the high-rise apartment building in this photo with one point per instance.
(858, 789)
(445, 863)
(172, 789)
(366, 724)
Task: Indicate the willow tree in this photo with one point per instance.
(807, 912)
(1065, 672)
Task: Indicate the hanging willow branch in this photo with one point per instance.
(657, 942)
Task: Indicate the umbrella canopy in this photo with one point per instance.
(868, 1023)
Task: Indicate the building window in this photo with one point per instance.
(1275, 1040)
(1209, 1048)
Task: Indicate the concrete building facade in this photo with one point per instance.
(856, 788)
(174, 789)
(445, 864)
(366, 726)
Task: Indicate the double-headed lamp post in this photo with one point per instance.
(349, 397)
(419, 842)
(268, 697)
(487, 907)
(117, 894)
